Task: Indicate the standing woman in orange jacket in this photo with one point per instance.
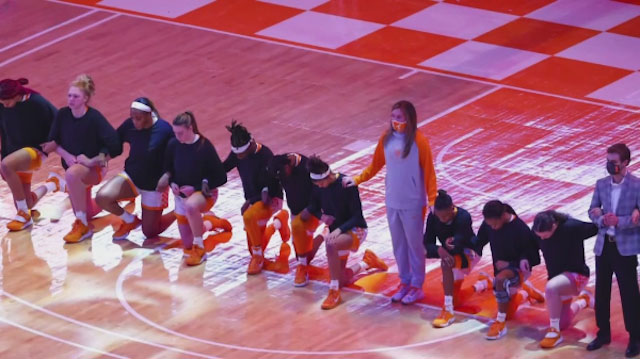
(410, 186)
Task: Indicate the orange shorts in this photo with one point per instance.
(180, 210)
(35, 163)
(359, 235)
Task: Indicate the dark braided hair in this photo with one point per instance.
(239, 134)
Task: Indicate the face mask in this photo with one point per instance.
(613, 168)
(399, 126)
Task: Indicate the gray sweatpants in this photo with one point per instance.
(407, 231)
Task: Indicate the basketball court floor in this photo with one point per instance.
(519, 100)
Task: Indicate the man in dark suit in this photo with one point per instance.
(614, 209)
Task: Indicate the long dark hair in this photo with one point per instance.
(495, 209)
(411, 116)
(545, 220)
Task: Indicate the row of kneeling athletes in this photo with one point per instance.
(179, 158)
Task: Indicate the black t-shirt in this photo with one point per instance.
(254, 174)
(511, 243)
(27, 124)
(147, 148)
(189, 164)
(298, 187)
(459, 228)
(88, 135)
(564, 250)
(342, 203)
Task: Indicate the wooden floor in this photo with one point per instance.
(132, 299)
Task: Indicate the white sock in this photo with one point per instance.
(207, 225)
(82, 217)
(480, 285)
(257, 251)
(277, 224)
(578, 305)
(22, 206)
(501, 317)
(198, 241)
(448, 303)
(127, 217)
(50, 186)
(334, 284)
(358, 267)
(554, 323)
(302, 261)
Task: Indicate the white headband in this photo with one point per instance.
(140, 106)
(319, 176)
(241, 148)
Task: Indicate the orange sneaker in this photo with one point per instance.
(534, 294)
(332, 300)
(78, 233)
(282, 261)
(255, 266)
(497, 330)
(444, 319)
(372, 260)
(551, 339)
(35, 214)
(21, 221)
(196, 256)
(302, 276)
(61, 184)
(216, 222)
(123, 230)
(283, 218)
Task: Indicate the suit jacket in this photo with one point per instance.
(627, 233)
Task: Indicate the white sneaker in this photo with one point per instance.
(414, 295)
(402, 291)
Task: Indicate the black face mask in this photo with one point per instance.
(613, 168)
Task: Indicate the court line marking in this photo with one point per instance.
(125, 304)
(99, 329)
(408, 74)
(442, 170)
(47, 30)
(56, 40)
(57, 339)
(619, 107)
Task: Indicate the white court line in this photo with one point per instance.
(28, 38)
(422, 70)
(55, 41)
(408, 74)
(57, 339)
(89, 326)
(125, 304)
(442, 169)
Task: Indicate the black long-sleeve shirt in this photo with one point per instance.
(147, 148)
(459, 228)
(254, 174)
(564, 250)
(298, 187)
(189, 164)
(88, 135)
(27, 124)
(342, 203)
(511, 243)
